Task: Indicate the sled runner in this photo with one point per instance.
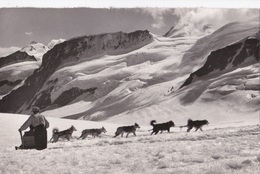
(27, 140)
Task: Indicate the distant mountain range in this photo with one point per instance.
(124, 76)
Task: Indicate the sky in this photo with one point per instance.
(19, 26)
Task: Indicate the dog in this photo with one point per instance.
(93, 132)
(196, 123)
(62, 134)
(161, 127)
(126, 129)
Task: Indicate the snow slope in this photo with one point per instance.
(232, 149)
(224, 36)
(148, 88)
(13, 76)
(122, 77)
(16, 67)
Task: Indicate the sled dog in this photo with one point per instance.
(62, 134)
(161, 127)
(93, 132)
(127, 130)
(196, 123)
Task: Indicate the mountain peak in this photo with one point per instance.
(55, 42)
(33, 42)
(35, 49)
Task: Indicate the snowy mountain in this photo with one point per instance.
(16, 67)
(55, 42)
(35, 49)
(37, 88)
(17, 57)
(125, 77)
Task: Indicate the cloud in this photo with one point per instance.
(157, 15)
(197, 17)
(28, 33)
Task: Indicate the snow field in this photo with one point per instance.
(216, 150)
(229, 150)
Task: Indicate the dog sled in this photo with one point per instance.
(27, 141)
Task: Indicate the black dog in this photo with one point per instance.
(161, 127)
(196, 123)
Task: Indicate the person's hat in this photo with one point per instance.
(35, 109)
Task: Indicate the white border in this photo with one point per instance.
(131, 3)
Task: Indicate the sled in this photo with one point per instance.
(27, 140)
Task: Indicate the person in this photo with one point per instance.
(40, 125)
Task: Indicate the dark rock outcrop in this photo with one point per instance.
(239, 54)
(8, 86)
(16, 57)
(69, 95)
